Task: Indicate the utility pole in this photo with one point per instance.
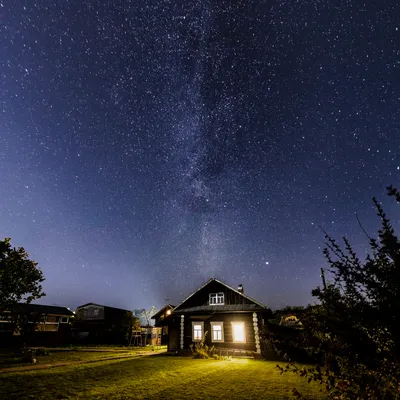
(323, 278)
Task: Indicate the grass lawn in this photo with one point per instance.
(8, 359)
(113, 348)
(157, 377)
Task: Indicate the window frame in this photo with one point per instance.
(233, 323)
(216, 296)
(64, 322)
(201, 323)
(221, 324)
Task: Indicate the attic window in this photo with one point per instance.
(216, 299)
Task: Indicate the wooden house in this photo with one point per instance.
(51, 325)
(218, 314)
(161, 322)
(95, 323)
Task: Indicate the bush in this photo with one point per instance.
(201, 350)
(356, 324)
(201, 354)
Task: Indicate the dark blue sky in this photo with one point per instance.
(148, 146)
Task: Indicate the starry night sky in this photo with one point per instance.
(146, 146)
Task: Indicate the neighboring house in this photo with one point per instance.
(231, 319)
(52, 324)
(161, 322)
(95, 323)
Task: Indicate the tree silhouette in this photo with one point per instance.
(357, 322)
(20, 282)
(20, 279)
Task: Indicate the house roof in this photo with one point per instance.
(91, 304)
(223, 308)
(101, 305)
(44, 309)
(170, 306)
(224, 284)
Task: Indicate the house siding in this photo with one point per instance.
(48, 331)
(227, 320)
(97, 324)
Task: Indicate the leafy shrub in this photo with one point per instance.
(356, 324)
(201, 350)
(201, 354)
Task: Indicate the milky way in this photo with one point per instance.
(148, 146)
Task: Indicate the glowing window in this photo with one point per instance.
(238, 332)
(217, 331)
(198, 328)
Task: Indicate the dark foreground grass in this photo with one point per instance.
(157, 377)
(9, 360)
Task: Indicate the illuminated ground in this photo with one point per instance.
(10, 361)
(156, 377)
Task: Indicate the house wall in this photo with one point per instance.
(90, 312)
(164, 335)
(96, 324)
(227, 319)
(116, 316)
(173, 337)
(50, 332)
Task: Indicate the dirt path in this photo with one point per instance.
(66, 363)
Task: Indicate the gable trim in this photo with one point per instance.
(224, 284)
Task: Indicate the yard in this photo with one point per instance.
(9, 359)
(156, 377)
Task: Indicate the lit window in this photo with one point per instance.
(238, 332)
(217, 331)
(216, 298)
(198, 328)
